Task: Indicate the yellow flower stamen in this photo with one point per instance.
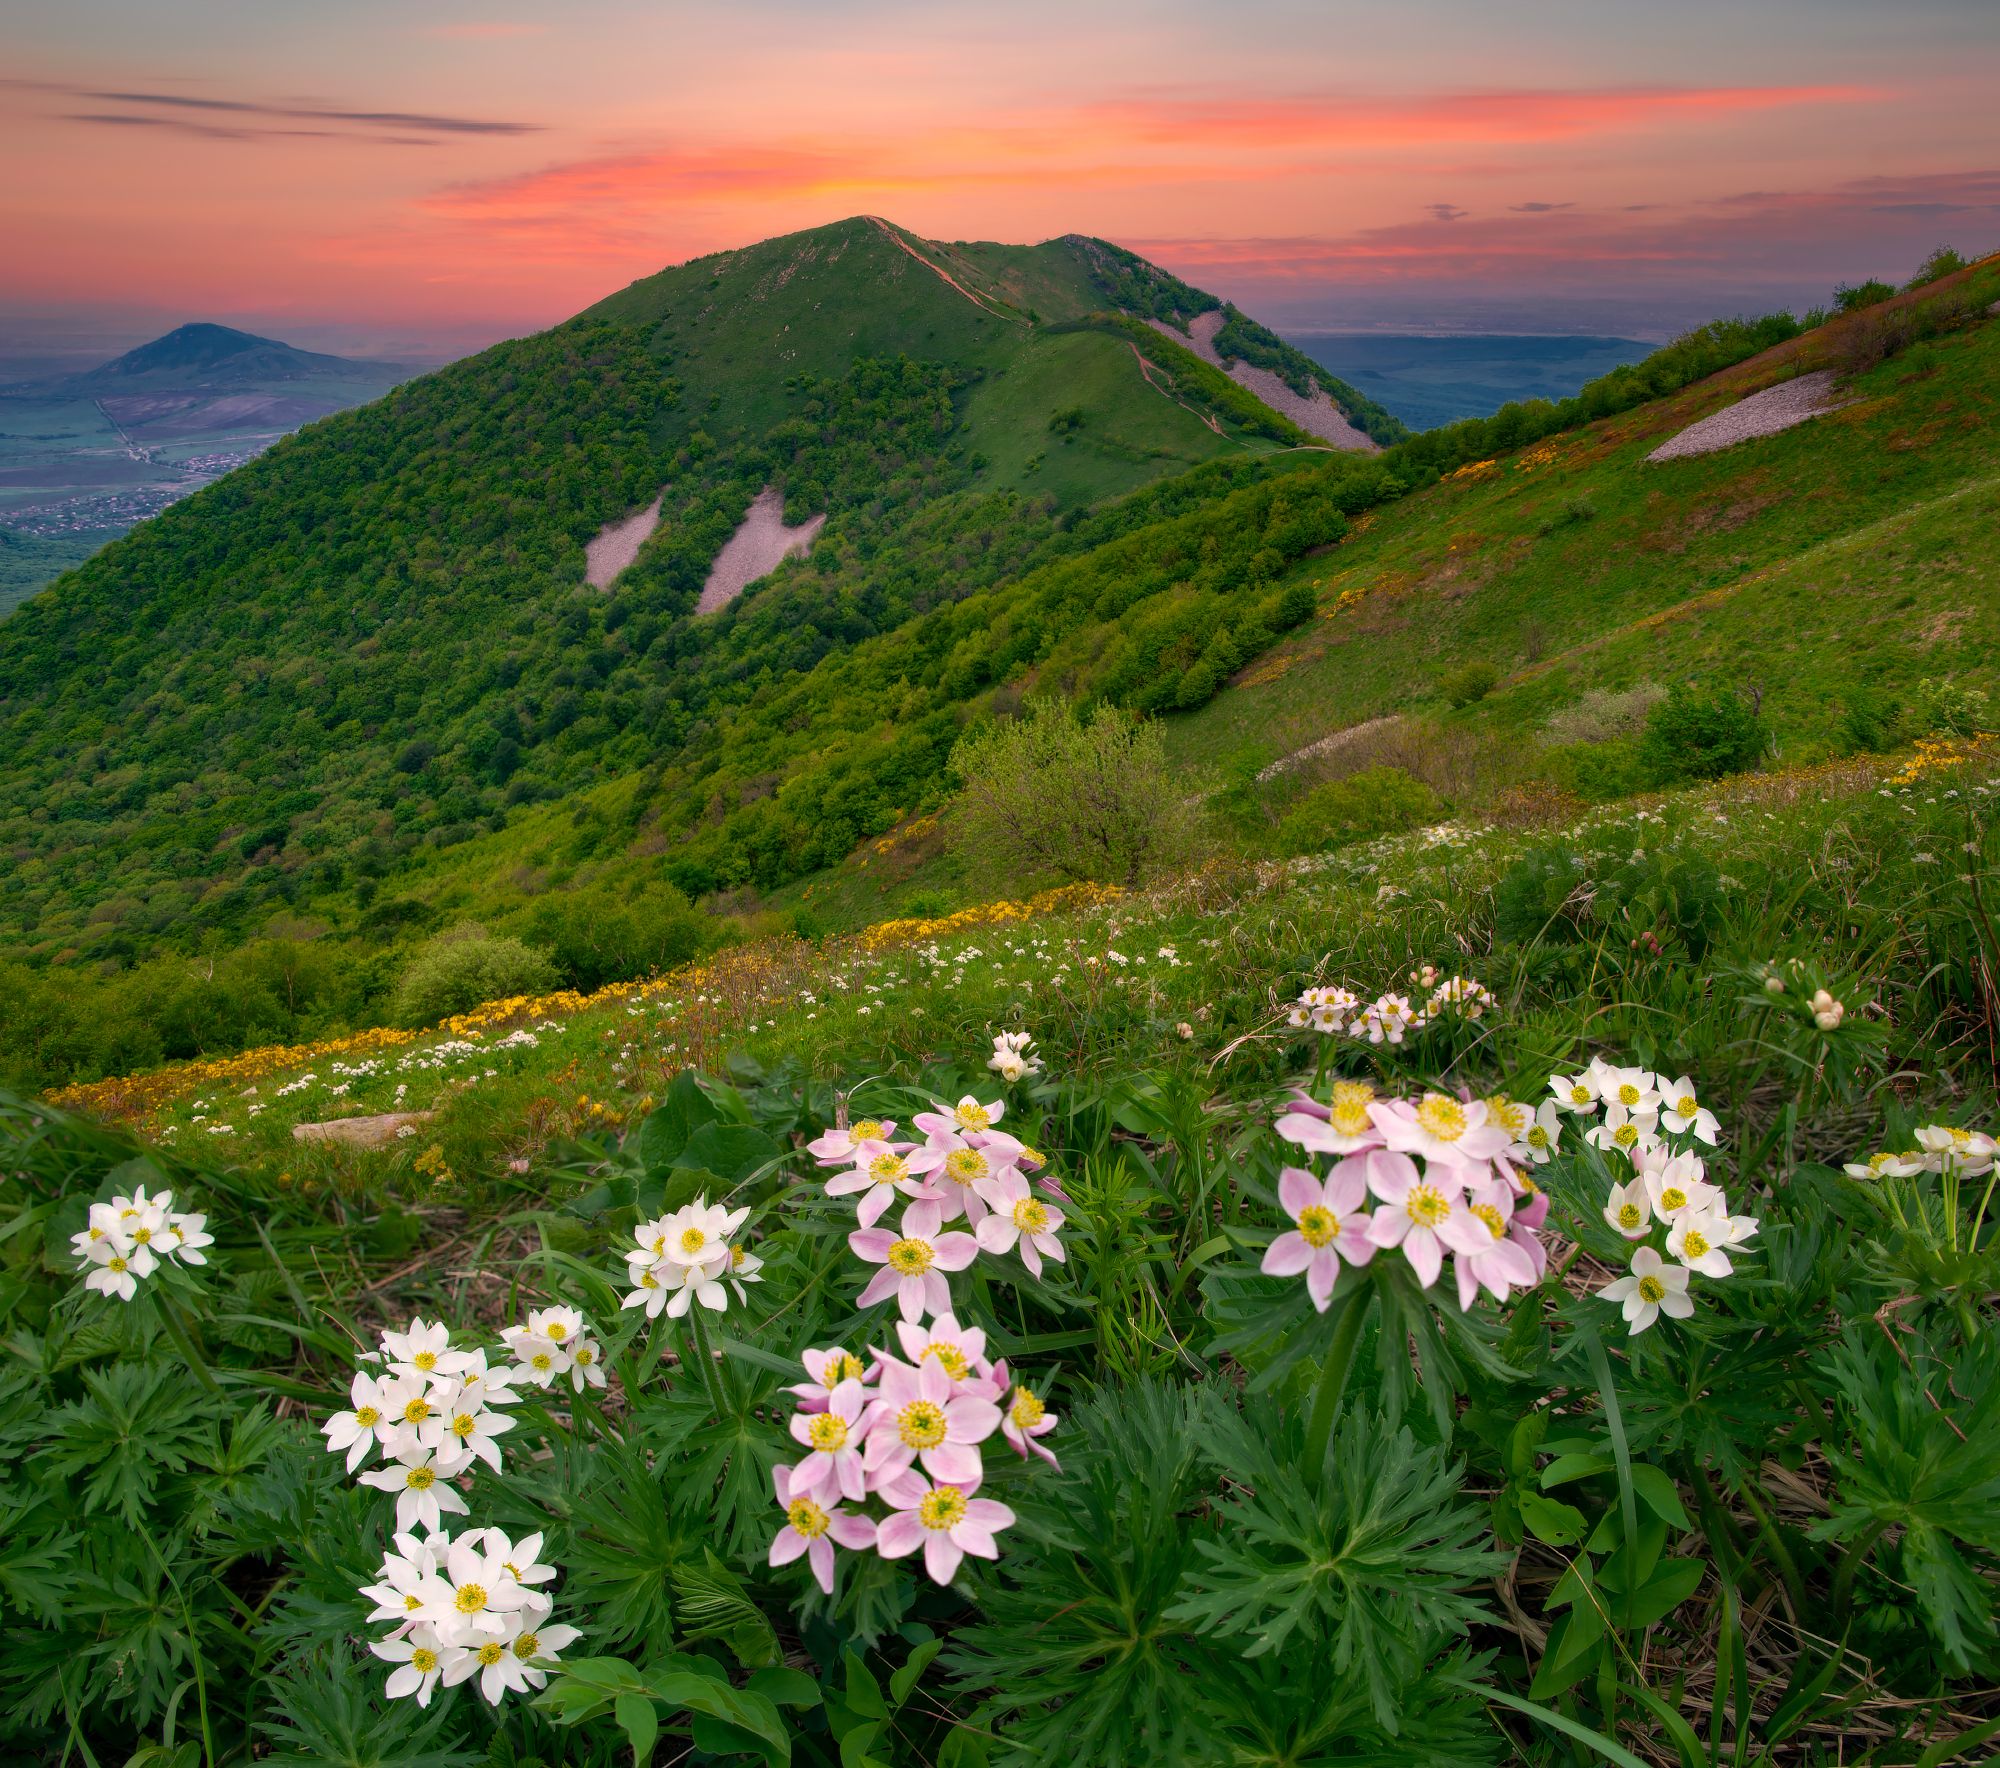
(827, 1431)
(941, 1508)
(1318, 1225)
(1441, 1117)
(911, 1257)
(921, 1425)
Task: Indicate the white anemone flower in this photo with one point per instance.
(1633, 1090)
(1697, 1238)
(586, 1366)
(1013, 1057)
(688, 1284)
(187, 1239)
(1676, 1186)
(698, 1235)
(423, 1350)
(113, 1271)
(650, 1291)
(517, 1660)
(1653, 1288)
(422, 1494)
(1542, 1137)
(398, 1590)
(418, 1655)
(1629, 1209)
(1684, 1114)
(1575, 1092)
(363, 1425)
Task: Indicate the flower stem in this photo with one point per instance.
(1333, 1374)
(184, 1341)
(710, 1385)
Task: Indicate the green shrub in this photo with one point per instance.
(1571, 513)
(1941, 263)
(601, 935)
(1376, 801)
(1538, 897)
(1698, 733)
(1605, 713)
(1298, 604)
(1852, 297)
(1598, 771)
(1469, 682)
(1949, 710)
(1869, 720)
(463, 967)
(1083, 799)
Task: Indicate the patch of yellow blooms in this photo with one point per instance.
(131, 1096)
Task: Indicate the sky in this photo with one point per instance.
(420, 179)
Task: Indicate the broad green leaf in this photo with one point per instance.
(641, 1725)
(732, 1151)
(1659, 1494)
(1551, 1520)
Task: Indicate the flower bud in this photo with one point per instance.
(1826, 1021)
(1822, 1002)
(1774, 985)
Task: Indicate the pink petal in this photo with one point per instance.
(952, 1464)
(851, 1531)
(1287, 1256)
(1321, 1275)
(911, 1293)
(820, 1557)
(870, 1209)
(989, 1515)
(787, 1545)
(871, 1243)
(975, 1541)
(899, 1534)
(922, 1220)
(996, 1233)
(1426, 1257)
(942, 1555)
(884, 1282)
(955, 1251)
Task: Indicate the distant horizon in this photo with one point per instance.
(363, 181)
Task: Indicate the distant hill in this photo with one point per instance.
(216, 357)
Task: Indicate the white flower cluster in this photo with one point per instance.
(465, 1606)
(128, 1239)
(1390, 1017)
(1966, 1154)
(555, 1342)
(685, 1257)
(432, 1412)
(1013, 1058)
(1656, 1123)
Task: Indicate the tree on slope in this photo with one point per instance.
(1087, 799)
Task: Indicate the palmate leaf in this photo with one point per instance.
(136, 1422)
(38, 1562)
(1365, 1556)
(327, 1715)
(623, 1556)
(1927, 1462)
(1276, 1710)
(1074, 1659)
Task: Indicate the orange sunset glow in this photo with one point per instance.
(463, 176)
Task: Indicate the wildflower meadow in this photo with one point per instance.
(1496, 1294)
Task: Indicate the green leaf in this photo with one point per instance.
(864, 1693)
(905, 1679)
(1659, 1494)
(1552, 1521)
(786, 1687)
(732, 1151)
(666, 1131)
(1949, 1748)
(720, 1700)
(1565, 1468)
(1670, 1586)
(641, 1725)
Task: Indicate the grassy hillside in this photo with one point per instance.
(371, 699)
(1848, 558)
(375, 641)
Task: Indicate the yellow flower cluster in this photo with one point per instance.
(1473, 469)
(985, 914)
(733, 971)
(1936, 755)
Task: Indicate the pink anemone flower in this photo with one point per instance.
(1428, 1220)
(834, 1437)
(913, 1261)
(1330, 1226)
(880, 1171)
(1502, 1263)
(836, 1147)
(1025, 1419)
(959, 1350)
(945, 1520)
(828, 1370)
(967, 1116)
(1020, 1218)
(922, 1415)
(952, 1166)
(812, 1528)
(1442, 1129)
